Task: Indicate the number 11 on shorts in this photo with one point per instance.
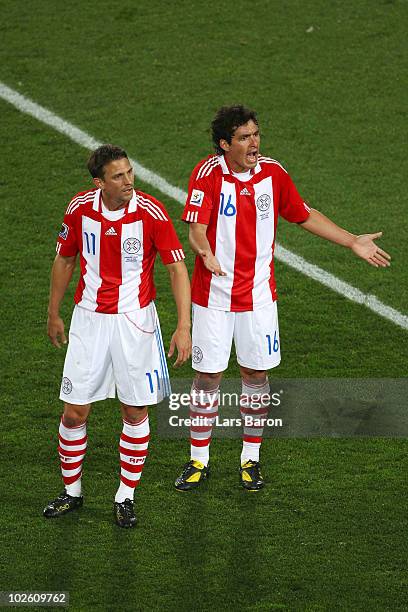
(150, 380)
(272, 346)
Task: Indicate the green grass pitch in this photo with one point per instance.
(327, 79)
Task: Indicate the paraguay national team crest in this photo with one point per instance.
(197, 354)
(263, 202)
(64, 231)
(132, 245)
(66, 386)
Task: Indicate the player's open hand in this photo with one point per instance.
(211, 263)
(365, 247)
(181, 339)
(56, 331)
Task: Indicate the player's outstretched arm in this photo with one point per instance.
(180, 286)
(197, 237)
(363, 246)
(61, 274)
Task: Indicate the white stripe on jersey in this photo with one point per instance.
(58, 247)
(207, 167)
(132, 266)
(261, 293)
(151, 208)
(211, 168)
(73, 209)
(178, 255)
(91, 251)
(269, 160)
(87, 197)
(133, 203)
(192, 216)
(221, 286)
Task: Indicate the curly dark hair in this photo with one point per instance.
(102, 156)
(227, 120)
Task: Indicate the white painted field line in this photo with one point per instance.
(288, 257)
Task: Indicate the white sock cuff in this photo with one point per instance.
(72, 433)
(136, 430)
(250, 389)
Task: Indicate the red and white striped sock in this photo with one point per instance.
(250, 406)
(204, 410)
(133, 445)
(71, 450)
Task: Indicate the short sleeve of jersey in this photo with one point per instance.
(67, 244)
(165, 237)
(291, 206)
(200, 196)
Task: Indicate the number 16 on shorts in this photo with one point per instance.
(272, 343)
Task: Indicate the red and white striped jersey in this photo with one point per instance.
(242, 217)
(117, 256)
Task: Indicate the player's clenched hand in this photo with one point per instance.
(365, 247)
(56, 331)
(211, 263)
(181, 340)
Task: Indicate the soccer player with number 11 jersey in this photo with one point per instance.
(235, 198)
(115, 344)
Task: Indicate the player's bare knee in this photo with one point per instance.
(207, 380)
(133, 414)
(75, 415)
(256, 377)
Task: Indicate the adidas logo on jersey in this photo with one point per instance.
(244, 191)
(111, 232)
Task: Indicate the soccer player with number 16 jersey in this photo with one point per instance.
(235, 198)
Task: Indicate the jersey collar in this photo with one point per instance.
(227, 170)
(97, 203)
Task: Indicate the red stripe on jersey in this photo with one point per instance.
(147, 291)
(201, 279)
(82, 262)
(110, 270)
(272, 281)
(245, 251)
(126, 438)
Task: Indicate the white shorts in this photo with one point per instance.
(109, 352)
(255, 334)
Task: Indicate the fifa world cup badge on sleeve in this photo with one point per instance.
(64, 231)
(197, 197)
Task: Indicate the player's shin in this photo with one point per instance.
(203, 412)
(133, 449)
(71, 450)
(254, 411)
